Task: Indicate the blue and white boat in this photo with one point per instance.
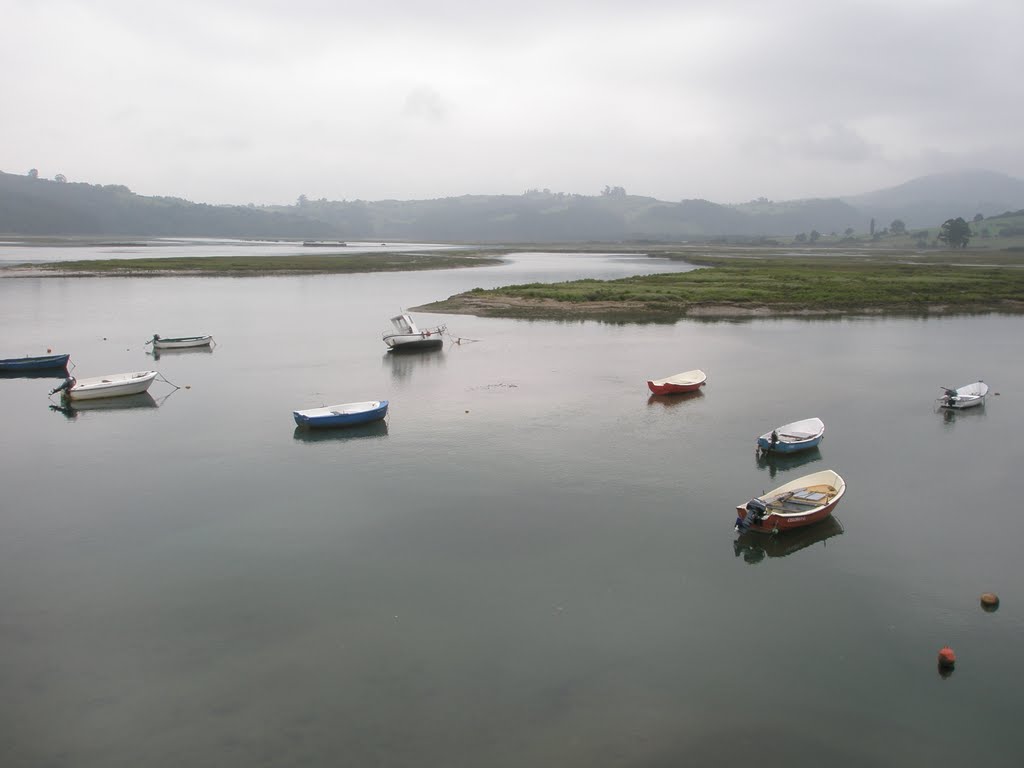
(37, 363)
(342, 415)
(790, 438)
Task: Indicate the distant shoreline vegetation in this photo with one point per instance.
(749, 284)
(228, 266)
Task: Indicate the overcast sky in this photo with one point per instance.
(238, 101)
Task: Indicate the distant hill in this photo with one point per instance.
(930, 200)
(40, 207)
(31, 206)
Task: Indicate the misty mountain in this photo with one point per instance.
(930, 200)
(32, 206)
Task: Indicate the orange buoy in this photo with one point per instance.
(990, 601)
(946, 657)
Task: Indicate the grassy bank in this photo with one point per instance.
(323, 263)
(751, 283)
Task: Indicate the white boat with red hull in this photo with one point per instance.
(798, 503)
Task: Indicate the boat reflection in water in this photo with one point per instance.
(951, 416)
(373, 429)
(773, 462)
(671, 401)
(755, 546)
(176, 352)
(404, 365)
(71, 408)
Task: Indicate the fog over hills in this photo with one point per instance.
(41, 207)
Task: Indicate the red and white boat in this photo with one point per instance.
(688, 381)
(801, 502)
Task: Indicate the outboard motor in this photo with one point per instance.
(69, 382)
(756, 512)
(951, 397)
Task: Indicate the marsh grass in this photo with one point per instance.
(324, 263)
(775, 284)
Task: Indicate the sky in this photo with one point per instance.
(228, 102)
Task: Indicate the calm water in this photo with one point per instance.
(531, 564)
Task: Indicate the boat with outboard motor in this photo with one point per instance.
(111, 385)
(789, 438)
(966, 396)
(800, 502)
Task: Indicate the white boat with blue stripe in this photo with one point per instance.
(343, 414)
(790, 438)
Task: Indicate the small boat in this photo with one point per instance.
(36, 363)
(966, 396)
(790, 438)
(688, 381)
(407, 337)
(112, 385)
(801, 502)
(179, 342)
(343, 415)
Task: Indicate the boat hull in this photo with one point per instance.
(38, 363)
(111, 386)
(335, 416)
(960, 403)
(419, 342)
(185, 342)
(673, 389)
(765, 444)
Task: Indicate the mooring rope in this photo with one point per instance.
(164, 378)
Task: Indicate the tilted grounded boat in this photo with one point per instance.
(688, 381)
(407, 337)
(801, 502)
(112, 385)
(789, 438)
(966, 396)
(36, 363)
(342, 415)
(180, 342)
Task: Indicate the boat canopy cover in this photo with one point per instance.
(404, 324)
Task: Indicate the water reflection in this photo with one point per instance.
(373, 429)
(158, 353)
(671, 401)
(950, 416)
(773, 462)
(754, 547)
(404, 364)
(72, 408)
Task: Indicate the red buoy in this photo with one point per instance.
(946, 657)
